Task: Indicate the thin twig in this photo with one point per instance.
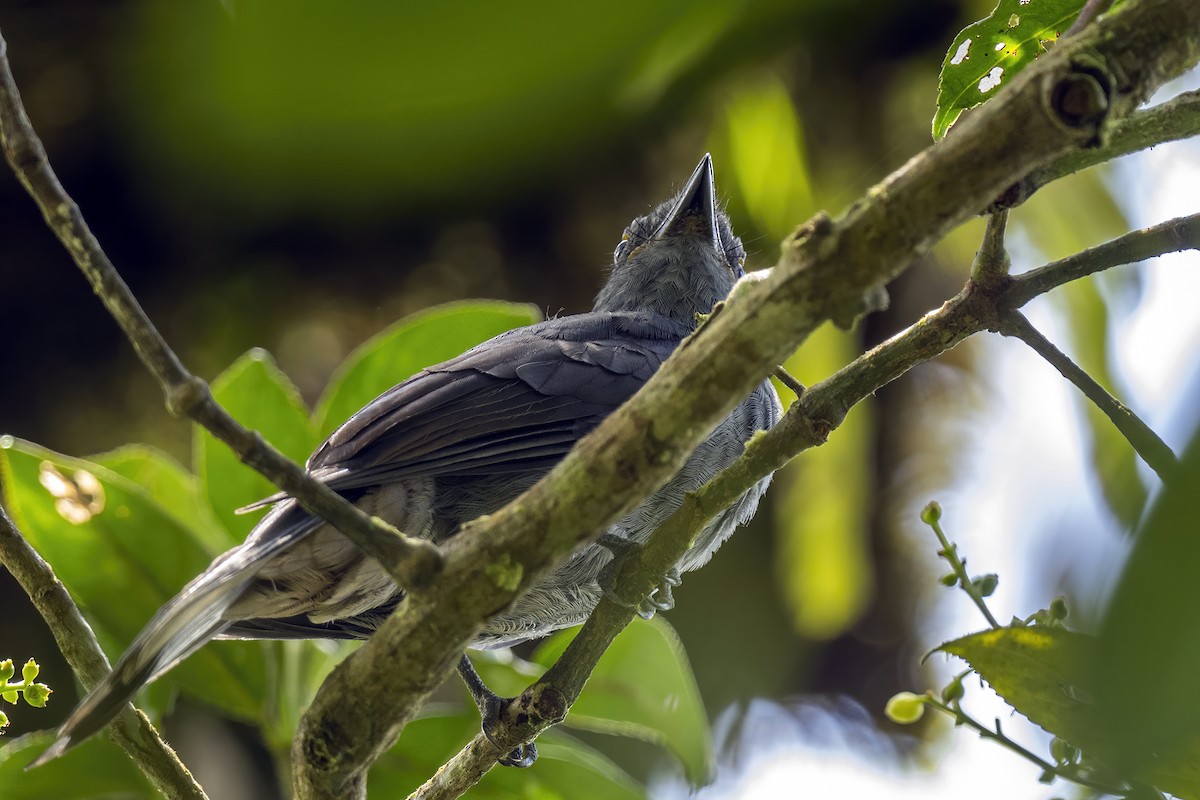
(132, 732)
(1181, 233)
(789, 380)
(991, 260)
(1090, 11)
(1001, 738)
(1145, 441)
(411, 561)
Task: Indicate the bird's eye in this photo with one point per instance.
(622, 250)
(737, 264)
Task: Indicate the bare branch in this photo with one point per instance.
(1144, 440)
(132, 732)
(1178, 118)
(1181, 233)
(1090, 11)
(411, 561)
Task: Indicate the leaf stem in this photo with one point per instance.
(1052, 770)
(949, 552)
(1153, 450)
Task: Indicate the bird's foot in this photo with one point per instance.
(660, 598)
(490, 707)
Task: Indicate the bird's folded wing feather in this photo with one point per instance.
(518, 402)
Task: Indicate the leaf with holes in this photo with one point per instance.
(987, 54)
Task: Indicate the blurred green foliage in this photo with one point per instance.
(249, 95)
(1149, 650)
(1064, 218)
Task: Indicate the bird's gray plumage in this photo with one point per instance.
(461, 439)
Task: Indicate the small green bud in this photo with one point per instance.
(7, 670)
(1063, 752)
(905, 708)
(953, 691)
(931, 513)
(1058, 608)
(10, 696)
(949, 579)
(36, 694)
(30, 671)
(3, 721)
(986, 584)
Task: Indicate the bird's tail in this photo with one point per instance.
(180, 627)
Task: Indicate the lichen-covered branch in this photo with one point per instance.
(820, 409)
(410, 560)
(132, 732)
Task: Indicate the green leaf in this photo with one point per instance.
(407, 347)
(176, 490)
(1148, 658)
(97, 768)
(566, 768)
(1048, 674)
(987, 54)
(643, 687)
(1039, 671)
(122, 556)
(261, 397)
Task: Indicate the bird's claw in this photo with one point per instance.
(660, 598)
(521, 756)
(490, 707)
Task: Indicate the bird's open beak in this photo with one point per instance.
(695, 210)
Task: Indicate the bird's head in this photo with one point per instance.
(680, 259)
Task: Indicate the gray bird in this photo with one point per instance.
(461, 439)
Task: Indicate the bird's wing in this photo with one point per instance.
(516, 403)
